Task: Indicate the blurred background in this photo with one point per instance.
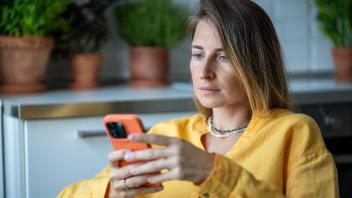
(307, 50)
(66, 64)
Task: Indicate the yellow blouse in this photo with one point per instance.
(281, 154)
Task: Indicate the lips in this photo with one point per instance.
(208, 89)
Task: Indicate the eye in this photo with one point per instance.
(197, 56)
(223, 58)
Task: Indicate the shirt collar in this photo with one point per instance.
(256, 122)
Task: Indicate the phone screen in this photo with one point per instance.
(116, 129)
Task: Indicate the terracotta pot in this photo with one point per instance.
(342, 57)
(148, 66)
(85, 70)
(23, 62)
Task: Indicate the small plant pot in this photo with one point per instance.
(23, 62)
(85, 69)
(148, 66)
(342, 57)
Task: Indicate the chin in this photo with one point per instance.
(209, 103)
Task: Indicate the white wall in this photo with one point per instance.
(305, 48)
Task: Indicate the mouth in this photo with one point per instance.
(209, 89)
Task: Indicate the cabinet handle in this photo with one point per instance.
(88, 134)
(328, 119)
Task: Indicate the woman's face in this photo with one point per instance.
(214, 79)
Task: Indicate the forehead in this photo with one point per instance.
(206, 35)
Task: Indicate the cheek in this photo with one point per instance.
(237, 92)
(194, 70)
(231, 84)
(195, 77)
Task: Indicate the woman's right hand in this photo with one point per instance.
(121, 177)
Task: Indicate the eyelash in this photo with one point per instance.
(198, 56)
(224, 58)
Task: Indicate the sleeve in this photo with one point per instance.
(228, 179)
(315, 177)
(95, 187)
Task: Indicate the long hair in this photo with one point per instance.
(252, 46)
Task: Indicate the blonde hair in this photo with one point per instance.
(250, 41)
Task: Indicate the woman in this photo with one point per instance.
(245, 142)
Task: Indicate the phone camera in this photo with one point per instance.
(116, 130)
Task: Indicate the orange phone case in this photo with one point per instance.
(132, 125)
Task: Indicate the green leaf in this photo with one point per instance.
(30, 17)
(151, 22)
(335, 18)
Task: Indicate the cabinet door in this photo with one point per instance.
(1, 156)
(62, 151)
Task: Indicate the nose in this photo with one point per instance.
(206, 71)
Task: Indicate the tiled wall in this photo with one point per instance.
(305, 48)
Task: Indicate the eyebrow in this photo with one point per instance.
(201, 48)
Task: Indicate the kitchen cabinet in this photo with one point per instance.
(56, 138)
(2, 183)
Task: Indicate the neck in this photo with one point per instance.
(229, 118)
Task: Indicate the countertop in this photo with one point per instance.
(124, 99)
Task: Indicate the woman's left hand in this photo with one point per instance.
(183, 160)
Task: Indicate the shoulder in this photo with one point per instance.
(296, 132)
(287, 115)
(293, 122)
(300, 132)
(298, 123)
(175, 127)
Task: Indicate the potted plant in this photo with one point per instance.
(335, 17)
(150, 28)
(25, 44)
(80, 39)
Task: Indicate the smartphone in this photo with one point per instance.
(118, 127)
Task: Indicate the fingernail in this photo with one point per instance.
(128, 155)
(130, 137)
(150, 180)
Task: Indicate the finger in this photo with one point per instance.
(147, 154)
(144, 190)
(117, 184)
(115, 156)
(169, 175)
(132, 182)
(151, 167)
(137, 181)
(121, 173)
(154, 139)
